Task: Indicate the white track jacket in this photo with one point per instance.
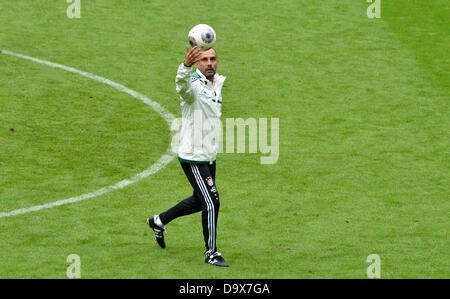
(201, 108)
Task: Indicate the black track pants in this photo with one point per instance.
(205, 198)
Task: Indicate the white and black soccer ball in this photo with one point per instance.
(202, 36)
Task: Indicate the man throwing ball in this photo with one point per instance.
(201, 108)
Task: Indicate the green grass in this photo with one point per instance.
(364, 129)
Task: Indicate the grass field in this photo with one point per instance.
(363, 168)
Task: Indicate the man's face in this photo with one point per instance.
(207, 63)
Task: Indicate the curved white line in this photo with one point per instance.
(161, 163)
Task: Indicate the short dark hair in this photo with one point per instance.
(211, 49)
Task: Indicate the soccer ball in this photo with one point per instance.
(202, 36)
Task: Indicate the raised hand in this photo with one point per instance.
(191, 55)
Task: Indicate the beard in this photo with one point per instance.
(209, 73)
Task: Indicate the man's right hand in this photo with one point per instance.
(191, 56)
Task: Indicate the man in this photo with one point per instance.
(201, 107)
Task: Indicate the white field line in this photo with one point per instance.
(161, 163)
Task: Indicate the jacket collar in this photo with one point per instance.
(200, 74)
